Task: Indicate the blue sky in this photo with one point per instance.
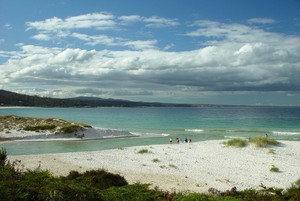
(195, 51)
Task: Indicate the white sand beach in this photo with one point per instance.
(184, 167)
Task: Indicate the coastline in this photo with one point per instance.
(194, 167)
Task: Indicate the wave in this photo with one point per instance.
(234, 137)
(194, 130)
(165, 134)
(285, 133)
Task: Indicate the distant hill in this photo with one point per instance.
(8, 98)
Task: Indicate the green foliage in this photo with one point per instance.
(203, 197)
(237, 142)
(3, 156)
(271, 151)
(136, 192)
(39, 128)
(8, 98)
(173, 166)
(274, 169)
(263, 141)
(99, 179)
(70, 129)
(293, 193)
(155, 160)
(143, 151)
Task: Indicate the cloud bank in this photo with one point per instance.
(232, 57)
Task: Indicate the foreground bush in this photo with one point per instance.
(100, 185)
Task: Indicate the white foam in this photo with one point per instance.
(285, 133)
(194, 130)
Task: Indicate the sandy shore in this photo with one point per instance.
(184, 167)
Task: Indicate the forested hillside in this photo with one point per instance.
(8, 98)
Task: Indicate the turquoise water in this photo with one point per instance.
(156, 124)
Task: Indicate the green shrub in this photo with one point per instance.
(70, 129)
(263, 141)
(237, 142)
(39, 128)
(3, 156)
(274, 169)
(136, 192)
(155, 160)
(293, 193)
(99, 179)
(143, 151)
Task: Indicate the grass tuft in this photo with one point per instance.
(143, 151)
(155, 160)
(261, 142)
(274, 169)
(237, 142)
(271, 151)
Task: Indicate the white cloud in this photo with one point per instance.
(100, 21)
(57, 28)
(158, 22)
(7, 26)
(234, 57)
(41, 36)
(129, 19)
(230, 66)
(97, 39)
(261, 21)
(141, 45)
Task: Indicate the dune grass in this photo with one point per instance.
(261, 142)
(143, 151)
(155, 160)
(237, 142)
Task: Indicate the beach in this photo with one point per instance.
(193, 167)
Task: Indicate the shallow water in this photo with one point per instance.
(156, 124)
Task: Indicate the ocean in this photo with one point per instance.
(155, 125)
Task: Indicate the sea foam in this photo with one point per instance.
(285, 133)
(194, 130)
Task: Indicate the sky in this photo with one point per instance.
(176, 51)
